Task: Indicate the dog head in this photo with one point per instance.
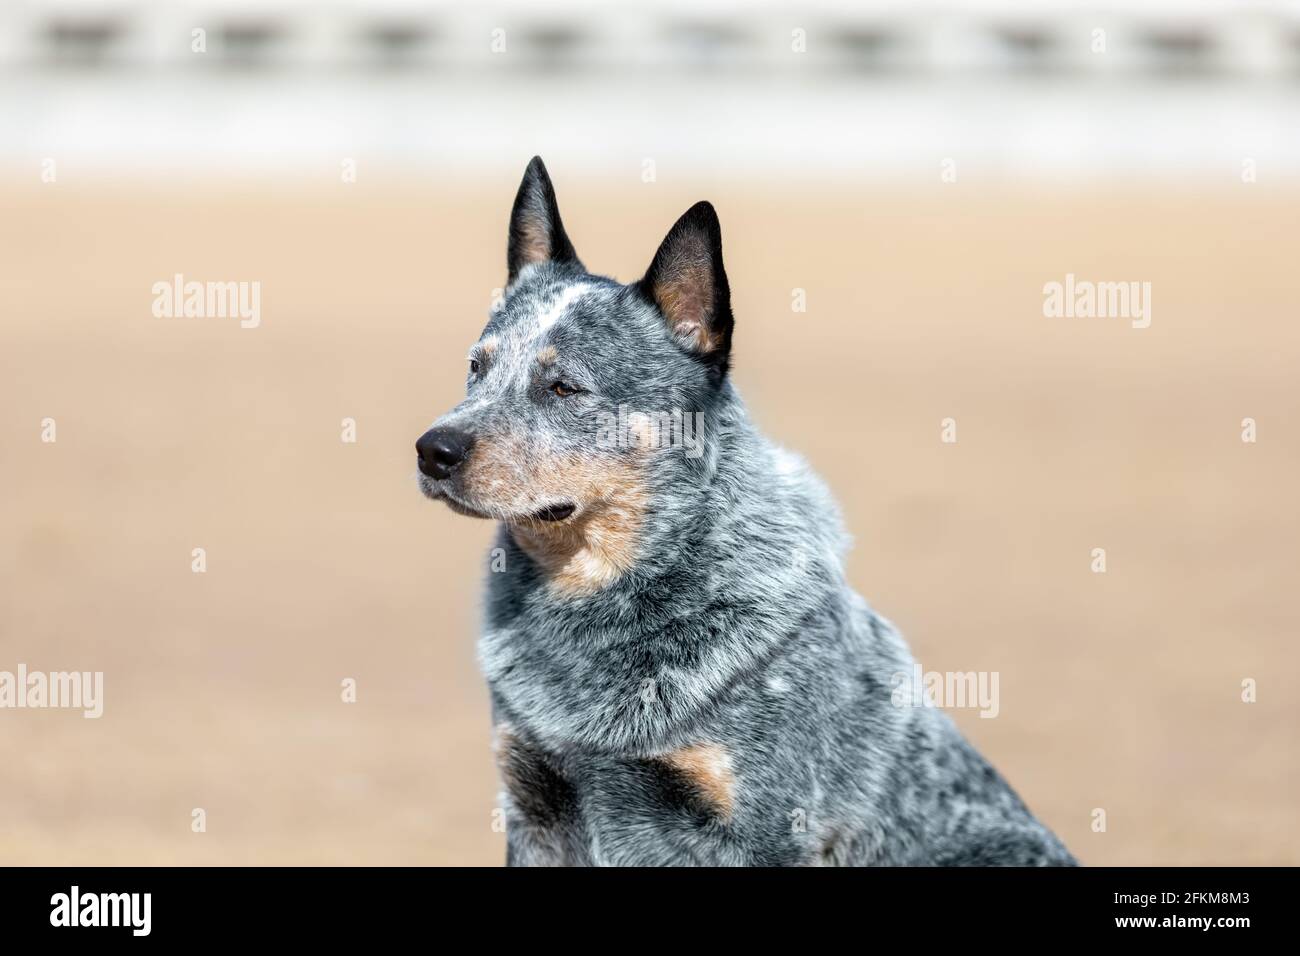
(584, 394)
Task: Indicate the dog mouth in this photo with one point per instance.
(555, 512)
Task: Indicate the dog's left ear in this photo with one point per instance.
(688, 284)
(536, 233)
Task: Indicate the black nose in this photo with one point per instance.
(441, 449)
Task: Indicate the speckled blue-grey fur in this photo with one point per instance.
(732, 627)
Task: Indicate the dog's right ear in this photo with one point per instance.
(536, 233)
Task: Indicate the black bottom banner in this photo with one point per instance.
(114, 906)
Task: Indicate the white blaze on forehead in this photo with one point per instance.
(516, 348)
(560, 305)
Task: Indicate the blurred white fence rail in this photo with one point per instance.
(1249, 37)
(897, 90)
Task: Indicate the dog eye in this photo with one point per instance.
(473, 366)
(564, 391)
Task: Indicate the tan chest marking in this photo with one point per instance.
(707, 767)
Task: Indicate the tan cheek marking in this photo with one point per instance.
(707, 766)
(599, 545)
(592, 549)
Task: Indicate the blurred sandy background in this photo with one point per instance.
(1119, 691)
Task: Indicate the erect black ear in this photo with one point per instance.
(536, 233)
(687, 282)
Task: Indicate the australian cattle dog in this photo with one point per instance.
(679, 672)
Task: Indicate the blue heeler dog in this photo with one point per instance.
(679, 672)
